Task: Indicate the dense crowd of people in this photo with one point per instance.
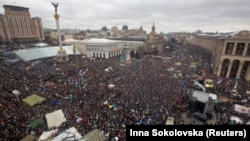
(144, 93)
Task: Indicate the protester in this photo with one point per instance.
(144, 92)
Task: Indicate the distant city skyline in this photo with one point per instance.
(168, 16)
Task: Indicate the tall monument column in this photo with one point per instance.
(61, 53)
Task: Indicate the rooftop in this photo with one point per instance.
(92, 40)
(99, 40)
(15, 8)
(201, 96)
(44, 52)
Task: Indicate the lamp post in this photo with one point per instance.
(77, 69)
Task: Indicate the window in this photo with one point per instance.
(239, 49)
(229, 48)
(248, 50)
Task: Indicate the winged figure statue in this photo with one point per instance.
(55, 5)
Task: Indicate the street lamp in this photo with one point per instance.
(77, 69)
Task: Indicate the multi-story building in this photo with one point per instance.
(130, 33)
(103, 48)
(154, 41)
(230, 55)
(181, 37)
(18, 26)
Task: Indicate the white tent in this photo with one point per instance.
(55, 119)
(213, 96)
(70, 134)
(170, 121)
(236, 119)
(241, 109)
(47, 135)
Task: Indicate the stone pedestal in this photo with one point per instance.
(62, 55)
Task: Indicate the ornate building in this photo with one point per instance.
(17, 25)
(102, 48)
(235, 57)
(154, 41)
(130, 33)
(230, 56)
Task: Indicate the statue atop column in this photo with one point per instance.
(61, 53)
(55, 5)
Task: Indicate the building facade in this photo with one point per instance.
(154, 41)
(129, 33)
(235, 58)
(230, 56)
(38, 28)
(18, 26)
(103, 48)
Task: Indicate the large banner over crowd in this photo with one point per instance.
(55, 119)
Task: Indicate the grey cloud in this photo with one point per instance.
(169, 15)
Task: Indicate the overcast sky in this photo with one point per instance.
(168, 15)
